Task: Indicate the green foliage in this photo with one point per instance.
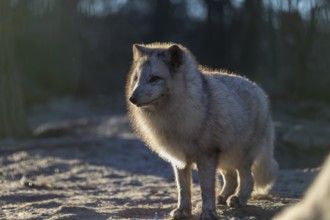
(12, 112)
(83, 47)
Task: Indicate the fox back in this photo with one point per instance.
(177, 106)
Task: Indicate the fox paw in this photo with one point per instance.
(209, 215)
(180, 213)
(234, 201)
(221, 199)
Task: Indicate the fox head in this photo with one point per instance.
(152, 73)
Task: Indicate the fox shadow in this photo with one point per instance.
(250, 210)
(116, 152)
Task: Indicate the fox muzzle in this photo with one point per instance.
(133, 100)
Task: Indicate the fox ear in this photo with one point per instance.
(174, 56)
(139, 50)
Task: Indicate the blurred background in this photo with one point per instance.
(66, 55)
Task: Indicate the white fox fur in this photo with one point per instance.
(316, 203)
(190, 115)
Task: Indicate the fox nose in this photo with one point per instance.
(133, 100)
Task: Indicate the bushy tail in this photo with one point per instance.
(265, 167)
(264, 173)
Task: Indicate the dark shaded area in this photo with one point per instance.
(82, 213)
(28, 197)
(252, 210)
(12, 112)
(159, 213)
(82, 49)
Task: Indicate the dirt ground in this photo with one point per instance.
(96, 168)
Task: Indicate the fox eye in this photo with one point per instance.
(154, 79)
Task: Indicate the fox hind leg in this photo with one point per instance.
(244, 188)
(229, 185)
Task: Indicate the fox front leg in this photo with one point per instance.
(207, 172)
(183, 181)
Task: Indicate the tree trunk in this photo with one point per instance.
(13, 121)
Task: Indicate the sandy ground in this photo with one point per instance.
(98, 169)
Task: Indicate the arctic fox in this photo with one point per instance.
(190, 115)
